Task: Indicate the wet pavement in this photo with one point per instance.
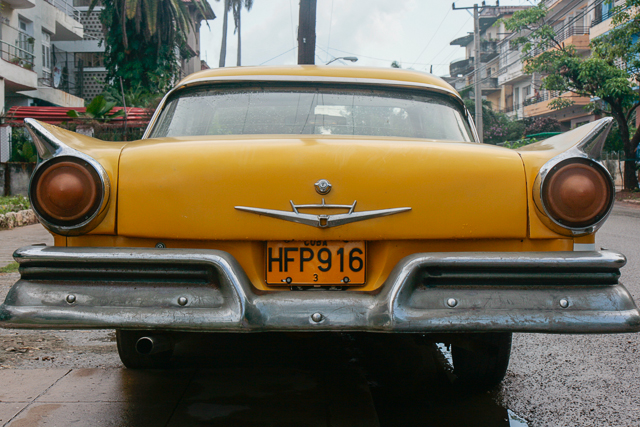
(10, 240)
(62, 378)
(257, 380)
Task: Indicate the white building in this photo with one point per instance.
(29, 32)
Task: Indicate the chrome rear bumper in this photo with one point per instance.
(207, 290)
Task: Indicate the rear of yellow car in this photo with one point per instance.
(321, 199)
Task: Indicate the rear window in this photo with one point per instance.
(311, 111)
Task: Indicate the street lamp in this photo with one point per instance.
(346, 58)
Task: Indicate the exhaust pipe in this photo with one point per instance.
(153, 344)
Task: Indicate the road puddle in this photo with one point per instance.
(353, 379)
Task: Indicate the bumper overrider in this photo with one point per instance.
(207, 290)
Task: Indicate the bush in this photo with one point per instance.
(540, 125)
(22, 148)
(13, 204)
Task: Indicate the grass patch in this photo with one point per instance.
(13, 204)
(11, 268)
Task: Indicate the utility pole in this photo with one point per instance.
(307, 32)
(477, 88)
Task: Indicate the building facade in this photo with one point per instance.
(86, 55)
(29, 72)
(504, 82)
(462, 71)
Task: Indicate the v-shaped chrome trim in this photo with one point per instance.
(322, 221)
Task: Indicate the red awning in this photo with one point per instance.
(136, 117)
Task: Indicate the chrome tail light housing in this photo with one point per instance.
(573, 192)
(69, 191)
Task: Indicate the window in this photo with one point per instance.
(516, 98)
(526, 92)
(90, 59)
(312, 110)
(46, 51)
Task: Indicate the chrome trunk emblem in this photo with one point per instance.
(323, 187)
(323, 221)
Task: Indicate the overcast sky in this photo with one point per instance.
(416, 33)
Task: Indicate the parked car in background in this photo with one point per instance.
(307, 199)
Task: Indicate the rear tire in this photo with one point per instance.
(481, 361)
(130, 358)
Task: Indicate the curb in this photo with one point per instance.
(17, 219)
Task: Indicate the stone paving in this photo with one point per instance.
(10, 240)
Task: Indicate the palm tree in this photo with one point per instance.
(161, 18)
(235, 6)
(223, 45)
(237, 10)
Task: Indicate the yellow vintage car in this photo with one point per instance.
(309, 198)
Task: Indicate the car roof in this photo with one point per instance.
(320, 72)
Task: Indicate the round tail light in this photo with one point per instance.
(577, 193)
(67, 193)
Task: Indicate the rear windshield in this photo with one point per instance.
(311, 111)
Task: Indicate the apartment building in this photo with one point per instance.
(576, 22)
(462, 71)
(86, 56)
(29, 73)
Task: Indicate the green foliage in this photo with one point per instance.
(540, 125)
(13, 204)
(136, 96)
(519, 143)
(10, 268)
(98, 109)
(22, 148)
(614, 142)
(597, 76)
(142, 38)
(396, 64)
(498, 127)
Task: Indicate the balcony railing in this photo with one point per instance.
(564, 34)
(460, 66)
(602, 17)
(67, 7)
(16, 55)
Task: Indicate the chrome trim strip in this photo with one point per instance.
(590, 147)
(407, 302)
(305, 79)
(49, 147)
(322, 221)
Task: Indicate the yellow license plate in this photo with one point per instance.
(316, 262)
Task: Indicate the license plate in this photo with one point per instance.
(316, 262)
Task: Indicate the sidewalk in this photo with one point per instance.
(10, 240)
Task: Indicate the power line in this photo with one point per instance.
(432, 37)
(277, 56)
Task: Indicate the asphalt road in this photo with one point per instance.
(50, 377)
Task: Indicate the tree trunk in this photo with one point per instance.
(630, 178)
(239, 60)
(223, 47)
(631, 165)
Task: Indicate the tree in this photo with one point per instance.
(141, 37)
(609, 74)
(223, 44)
(235, 6)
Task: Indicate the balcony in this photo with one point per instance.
(20, 4)
(66, 7)
(461, 67)
(488, 50)
(489, 85)
(539, 105)
(68, 26)
(16, 68)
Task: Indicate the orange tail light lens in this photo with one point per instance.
(67, 191)
(577, 193)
